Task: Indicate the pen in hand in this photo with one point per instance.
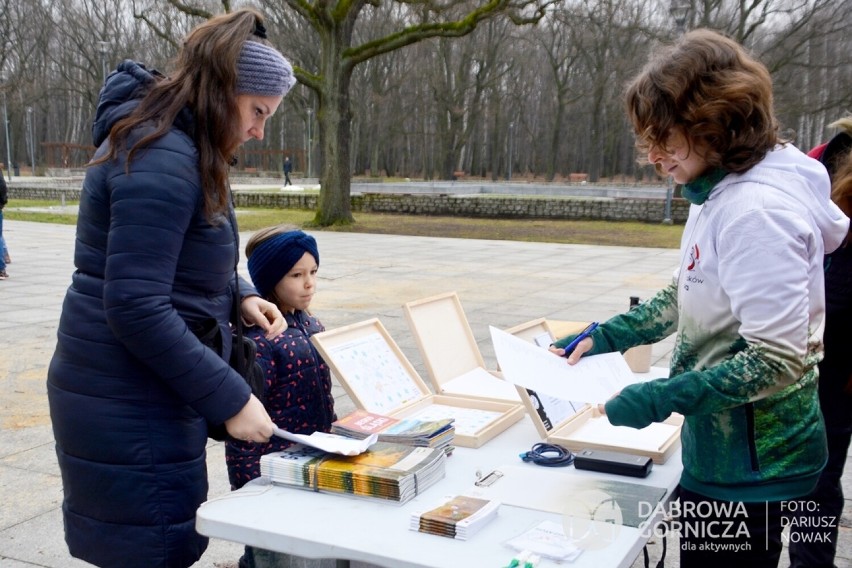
(583, 335)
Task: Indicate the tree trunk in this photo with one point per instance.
(334, 117)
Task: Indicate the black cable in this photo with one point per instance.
(549, 455)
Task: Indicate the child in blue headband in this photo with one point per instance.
(283, 265)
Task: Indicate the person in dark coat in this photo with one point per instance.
(131, 388)
(288, 169)
(4, 254)
(815, 519)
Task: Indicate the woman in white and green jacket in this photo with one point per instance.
(747, 301)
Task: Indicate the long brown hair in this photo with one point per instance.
(707, 87)
(204, 81)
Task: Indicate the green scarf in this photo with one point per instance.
(698, 190)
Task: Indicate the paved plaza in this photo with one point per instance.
(500, 283)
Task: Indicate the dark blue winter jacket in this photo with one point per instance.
(298, 392)
(130, 386)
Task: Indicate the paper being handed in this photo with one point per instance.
(593, 379)
(330, 442)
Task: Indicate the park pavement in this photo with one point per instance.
(361, 276)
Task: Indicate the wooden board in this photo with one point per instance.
(578, 426)
(378, 377)
(440, 328)
(537, 331)
(449, 349)
(582, 427)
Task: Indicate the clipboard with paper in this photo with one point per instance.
(554, 392)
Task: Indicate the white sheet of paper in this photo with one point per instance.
(479, 382)
(593, 379)
(330, 442)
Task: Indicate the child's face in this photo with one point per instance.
(296, 289)
(678, 159)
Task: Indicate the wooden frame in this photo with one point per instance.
(449, 349)
(566, 432)
(535, 331)
(440, 327)
(570, 417)
(379, 378)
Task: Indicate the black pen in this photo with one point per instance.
(583, 335)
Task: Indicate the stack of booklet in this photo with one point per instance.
(458, 517)
(421, 433)
(394, 472)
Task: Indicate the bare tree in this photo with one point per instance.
(330, 80)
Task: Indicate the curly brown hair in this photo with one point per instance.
(203, 80)
(841, 172)
(707, 87)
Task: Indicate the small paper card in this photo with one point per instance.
(331, 443)
(548, 540)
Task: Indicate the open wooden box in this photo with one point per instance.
(446, 342)
(578, 426)
(587, 429)
(536, 331)
(380, 379)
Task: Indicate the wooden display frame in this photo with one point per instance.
(564, 432)
(536, 331)
(385, 381)
(440, 327)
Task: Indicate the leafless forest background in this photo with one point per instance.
(505, 101)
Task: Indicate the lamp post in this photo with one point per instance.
(511, 145)
(678, 10)
(6, 124)
(103, 49)
(31, 136)
(310, 141)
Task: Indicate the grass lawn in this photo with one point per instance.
(618, 233)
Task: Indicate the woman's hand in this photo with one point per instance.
(257, 311)
(251, 424)
(582, 347)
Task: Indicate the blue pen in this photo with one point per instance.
(583, 335)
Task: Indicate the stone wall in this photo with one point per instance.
(649, 210)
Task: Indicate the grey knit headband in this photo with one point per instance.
(261, 70)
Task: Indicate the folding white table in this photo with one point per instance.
(321, 525)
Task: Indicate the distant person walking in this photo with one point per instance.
(4, 258)
(288, 167)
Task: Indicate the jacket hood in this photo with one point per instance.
(121, 93)
(806, 180)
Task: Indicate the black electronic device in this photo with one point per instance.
(618, 463)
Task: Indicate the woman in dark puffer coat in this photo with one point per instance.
(131, 388)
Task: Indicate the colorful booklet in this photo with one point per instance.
(394, 472)
(458, 517)
(437, 433)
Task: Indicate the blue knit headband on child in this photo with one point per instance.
(274, 257)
